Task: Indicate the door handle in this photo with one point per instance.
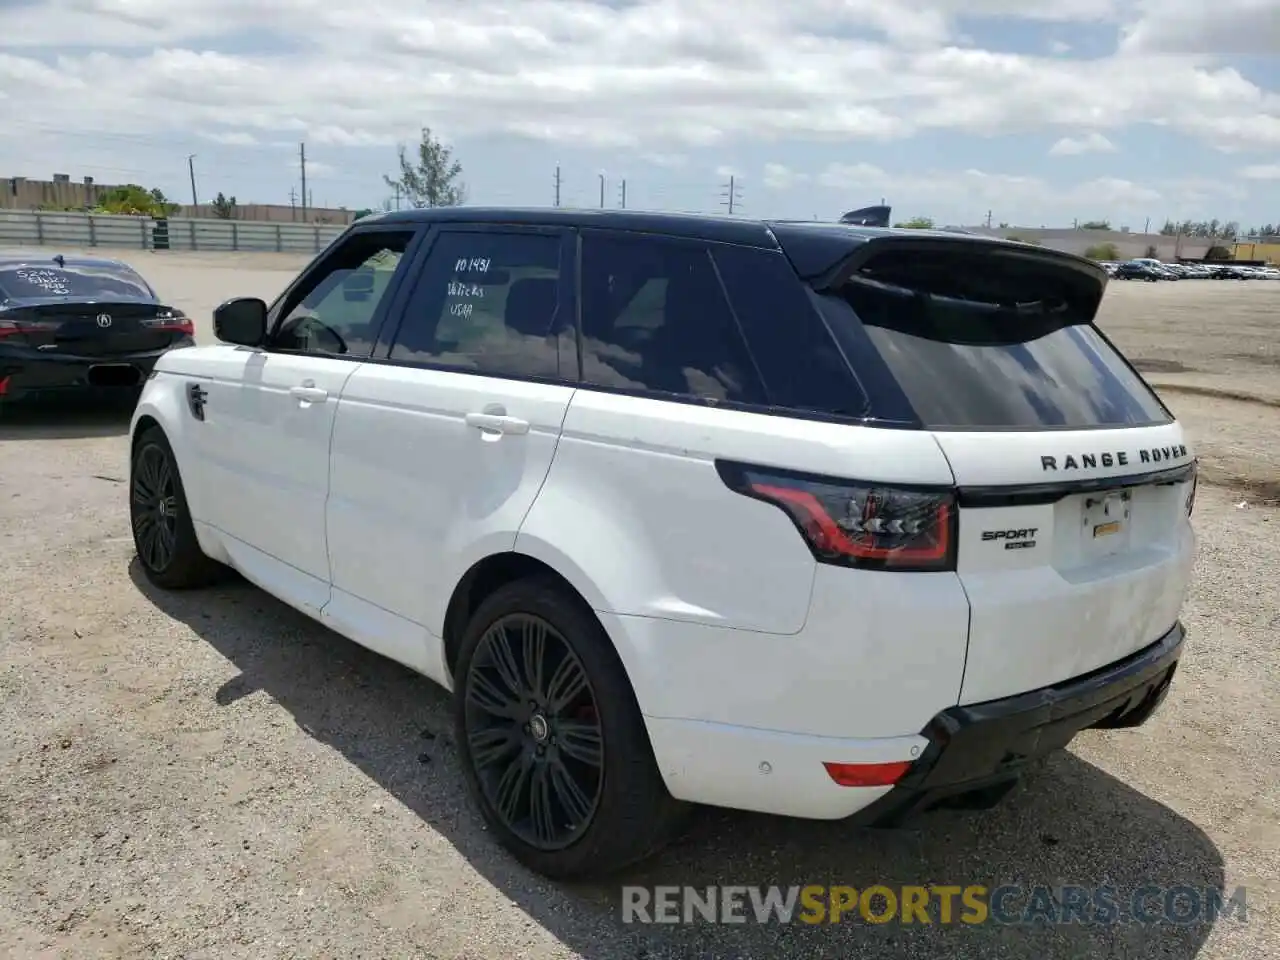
(497, 423)
(309, 393)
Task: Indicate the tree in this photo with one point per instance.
(1217, 253)
(1096, 225)
(1103, 251)
(916, 223)
(1152, 253)
(223, 208)
(134, 200)
(433, 181)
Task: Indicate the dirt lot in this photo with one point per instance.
(214, 776)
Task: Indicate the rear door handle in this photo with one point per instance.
(309, 393)
(497, 423)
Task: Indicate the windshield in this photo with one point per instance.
(72, 281)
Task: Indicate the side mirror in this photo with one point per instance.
(241, 321)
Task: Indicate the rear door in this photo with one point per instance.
(1075, 482)
(442, 443)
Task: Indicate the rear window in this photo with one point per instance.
(77, 282)
(981, 340)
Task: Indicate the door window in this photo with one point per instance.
(655, 318)
(336, 311)
(490, 303)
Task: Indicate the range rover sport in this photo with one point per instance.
(820, 520)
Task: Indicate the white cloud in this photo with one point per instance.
(1262, 172)
(230, 138)
(1089, 143)
(1225, 27)
(655, 75)
(670, 161)
(780, 177)
(1058, 46)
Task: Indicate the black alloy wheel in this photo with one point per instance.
(533, 730)
(156, 509)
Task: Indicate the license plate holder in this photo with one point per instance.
(1106, 518)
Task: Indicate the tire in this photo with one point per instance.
(158, 504)
(632, 815)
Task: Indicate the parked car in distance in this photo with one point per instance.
(80, 323)
(1138, 270)
(814, 519)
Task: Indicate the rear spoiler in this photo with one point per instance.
(1086, 270)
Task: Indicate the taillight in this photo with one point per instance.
(850, 523)
(9, 329)
(173, 320)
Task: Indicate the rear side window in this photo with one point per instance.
(802, 367)
(984, 341)
(87, 282)
(655, 318)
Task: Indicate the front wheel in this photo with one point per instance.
(551, 739)
(163, 534)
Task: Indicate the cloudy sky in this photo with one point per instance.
(1037, 111)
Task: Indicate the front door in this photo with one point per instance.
(273, 439)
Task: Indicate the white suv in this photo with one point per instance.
(810, 519)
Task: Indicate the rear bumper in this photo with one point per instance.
(26, 373)
(967, 756)
(976, 752)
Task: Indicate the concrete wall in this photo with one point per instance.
(74, 230)
(1129, 245)
(35, 194)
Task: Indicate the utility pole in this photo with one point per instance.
(732, 195)
(293, 204)
(191, 168)
(623, 190)
(302, 160)
(988, 219)
(557, 184)
(602, 191)
(397, 196)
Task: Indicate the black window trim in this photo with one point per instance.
(276, 312)
(568, 285)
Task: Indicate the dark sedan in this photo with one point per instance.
(1136, 270)
(80, 323)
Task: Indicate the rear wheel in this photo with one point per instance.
(163, 534)
(551, 739)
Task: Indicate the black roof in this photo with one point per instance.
(813, 247)
(695, 226)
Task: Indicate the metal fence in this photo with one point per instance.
(23, 228)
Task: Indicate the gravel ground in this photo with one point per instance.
(212, 775)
